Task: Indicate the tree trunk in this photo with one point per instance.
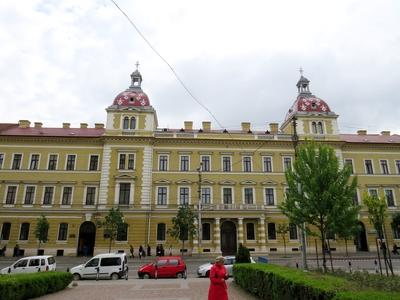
(109, 245)
(379, 256)
(388, 250)
(330, 254)
(347, 250)
(284, 245)
(316, 252)
(322, 231)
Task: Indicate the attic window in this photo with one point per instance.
(132, 99)
(314, 105)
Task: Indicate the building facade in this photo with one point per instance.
(73, 176)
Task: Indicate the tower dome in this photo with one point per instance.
(134, 95)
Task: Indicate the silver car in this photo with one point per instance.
(204, 270)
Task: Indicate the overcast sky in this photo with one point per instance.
(65, 61)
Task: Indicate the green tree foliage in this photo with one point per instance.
(242, 255)
(42, 230)
(320, 191)
(183, 227)
(283, 229)
(113, 223)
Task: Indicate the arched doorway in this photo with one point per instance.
(228, 238)
(361, 238)
(87, 238)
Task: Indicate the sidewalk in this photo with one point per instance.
(161, 289)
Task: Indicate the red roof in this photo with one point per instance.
(14, 130)
(132, 97)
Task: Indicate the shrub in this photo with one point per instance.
(26, 286)
(243, 254)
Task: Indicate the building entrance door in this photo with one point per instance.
(228, 238)
(87, 238)
(361, 238)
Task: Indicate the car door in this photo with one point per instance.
(90, 269)
(33, 265)
(20, 266)
(161, 268)
(229, 266)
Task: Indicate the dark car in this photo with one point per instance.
(164, 267)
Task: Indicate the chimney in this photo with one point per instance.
(245, 126)
(188, 125)
(98, 125)
(84, 125)
(66, 125)
(38, 125)
(362, 132)
(24, 124)
(206, 126)
(273, 127)
(385, 132)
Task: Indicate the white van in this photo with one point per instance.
(110, 265)
(31, 264)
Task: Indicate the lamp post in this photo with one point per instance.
(199, 231)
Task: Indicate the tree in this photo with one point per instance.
(320, 192)
(42, 230)
(112, 224)
(283, 229)
(183, 226)
(242, 255)
(377, 213)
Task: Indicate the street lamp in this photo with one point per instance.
(199, 231)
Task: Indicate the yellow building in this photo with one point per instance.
(74, 176)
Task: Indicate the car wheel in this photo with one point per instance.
(114, 276)
(208, 274)
(179, 275)
(76, 276)
(146, 276)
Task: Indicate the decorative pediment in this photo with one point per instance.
(184, 181)
(227, 182)
(125, 177)
(248, 182)
(269, 182)
(162, 181)
(207, 182)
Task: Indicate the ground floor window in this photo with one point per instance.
(271, 231)
(161, 229)
(292, 232)
(24, 233)
(122, 232)
(250, 235)
(5, 231)
(206, 231)
(62, 232)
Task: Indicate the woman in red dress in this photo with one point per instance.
(218, 289)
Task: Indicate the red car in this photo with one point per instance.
(164, 267)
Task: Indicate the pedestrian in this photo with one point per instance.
(162, 250)
(170, 250)
(218, 289)
(16, 250)
(140, 251)
(148, 250)
(132, 251)
(158, 253)
(3, 250)
(383, 247)
(395, 249)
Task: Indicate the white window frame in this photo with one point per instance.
(209, 160)
(165, 233)
(38, 162)
(12, 160)
(75, 161)
(283, 162)
(264, 157)
(352, 164)
(167, 200)
(58, 233)
(52, 197)
(189, 194)
(34, 195)
(159, 162)
(95, 196)
(243, 163)
(222, 195)
(297, 234)
(372, 166)
(211, 194)
(244, 195)
(254, 229)
(394, 198)
(48, 161)
(387, 165)
(2, 162)
(376, 189)
(117, 190)
(98, 162)
(6, 192)
(62, 194)
(397, 166)
(180, 162)
(230, 163)
(274, 194)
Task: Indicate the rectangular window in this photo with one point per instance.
(131, 161)
(11, 194)
(1, 160)
(52, 162)
(90, 195)
(205, 195)
(67, 195)
(183, 195)
(248, 195)
(250, 235)
(368, 167)
(62, 232)
(292, 232)
(34, 165)
(271, 231)
(94, 163)
(5, 232)
(124, 193)
(389, 197)
(349, 162)
(205, 163)
(71, 162)
(227, 195)
(206, 231)
(16, 165)
(162, 195)
(246, 164)
(161, 229)
(267, 164)
(373, 192)
(48, 195)
(122, 158)
(163, 163)
(398, 166)
(122, 232)
(184, 163)
(287, 163)
(355, 199)
(269, 196)
(29, 195)
(384, 167)
(24, 233)
(226, 164)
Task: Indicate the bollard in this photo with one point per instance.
(376, 267)
(297, 265)
(350, 267)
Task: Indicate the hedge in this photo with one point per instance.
(273, 282)
(26, 286)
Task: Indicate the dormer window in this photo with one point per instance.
(317, 127)
(129, 123)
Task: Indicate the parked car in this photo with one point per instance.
(31, 264)
(204, 270)
(163, 267)
(110, 265)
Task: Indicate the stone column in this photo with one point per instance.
(261, 234)
(217, 235)
(240, 230)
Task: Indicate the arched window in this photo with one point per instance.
(24, 233)
(314, 127)
(161, 232)
(5, 231)
(320, 128)
(132, 124)
(126, 123)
